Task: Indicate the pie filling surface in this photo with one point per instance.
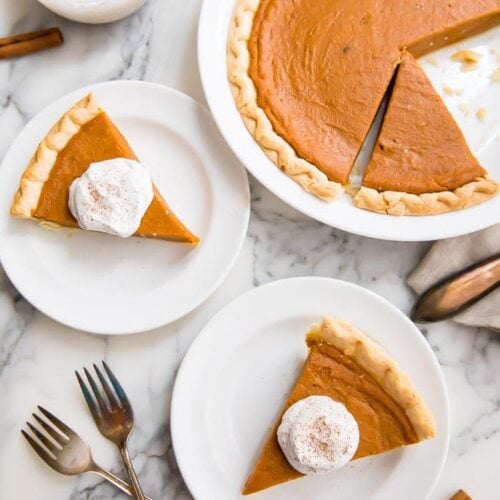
(384, 423)
(419, 140)
(321, 69)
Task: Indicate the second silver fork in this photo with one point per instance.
(64, 450)
(113, 416)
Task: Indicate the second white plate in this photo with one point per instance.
(104, 284)
(239, 371)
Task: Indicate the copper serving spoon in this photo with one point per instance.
(457, 292)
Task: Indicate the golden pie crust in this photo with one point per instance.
(41, 164)
(400, 203)
(375, 360)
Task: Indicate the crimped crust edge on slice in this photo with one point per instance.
(41, 164)
(375, 360)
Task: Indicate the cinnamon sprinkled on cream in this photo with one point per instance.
(111, 196)
(318, 435)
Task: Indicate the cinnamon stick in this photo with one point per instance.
(460, 495)
(27, 43)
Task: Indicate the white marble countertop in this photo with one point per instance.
(38, 356)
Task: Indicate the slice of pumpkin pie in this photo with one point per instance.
(84, 174)
(350, 401)
(421, 163)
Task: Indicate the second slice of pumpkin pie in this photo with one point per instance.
(421, 163)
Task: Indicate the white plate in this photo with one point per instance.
(477, 88)
(239, 370)
(104, 284)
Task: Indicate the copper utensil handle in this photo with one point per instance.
(135, 486)
(456, 293)
(122, 485)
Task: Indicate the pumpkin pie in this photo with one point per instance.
(421, 163)
(345, 365)
(84, 134)
(308, 76)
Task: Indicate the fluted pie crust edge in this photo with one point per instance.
(40, 166)
(375, 360)
(401, 203)
(244, 92)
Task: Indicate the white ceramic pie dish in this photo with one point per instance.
(478, 90)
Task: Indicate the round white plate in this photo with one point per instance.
(104, 284)
(239, 370)
(477, 90)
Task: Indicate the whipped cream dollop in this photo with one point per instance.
(111, 196)
(318, 435)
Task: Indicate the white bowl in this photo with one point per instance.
(93, 11)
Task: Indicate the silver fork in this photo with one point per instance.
(62, 449)
(113, 416)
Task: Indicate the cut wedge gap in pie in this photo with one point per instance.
(348, 367)
(421, 163)
(308, 89)
(84, 135)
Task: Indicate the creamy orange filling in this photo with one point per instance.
(322, 67)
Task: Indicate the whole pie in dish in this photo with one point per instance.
(84, 135)
(308, 76)
(348, 367)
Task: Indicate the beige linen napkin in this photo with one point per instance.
(450, 256)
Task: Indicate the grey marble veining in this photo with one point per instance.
(37, 356)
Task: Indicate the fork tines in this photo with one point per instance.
(114, 398)
(50, 439)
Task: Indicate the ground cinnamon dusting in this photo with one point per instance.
(320, 436)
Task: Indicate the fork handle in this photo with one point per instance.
(115, 480)
(135, 486)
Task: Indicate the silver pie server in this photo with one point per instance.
(457, 292)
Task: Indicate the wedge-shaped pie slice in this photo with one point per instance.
(85, 134)
(421, 163)
(345, 365)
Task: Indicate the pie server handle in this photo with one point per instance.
(457, 292)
